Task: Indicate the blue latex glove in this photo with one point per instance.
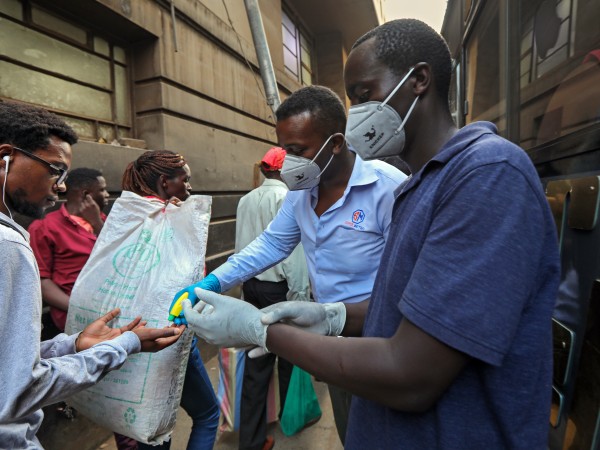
(208, 283)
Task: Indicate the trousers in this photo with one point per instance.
(258, 371)
(340, 403)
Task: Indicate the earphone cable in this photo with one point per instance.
(4, 196)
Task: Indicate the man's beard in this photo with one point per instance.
(21, 206)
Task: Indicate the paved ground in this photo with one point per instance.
(321, 436)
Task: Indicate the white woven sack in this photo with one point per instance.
(144, 254)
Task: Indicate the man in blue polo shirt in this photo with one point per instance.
(339, 207)
(456, 344)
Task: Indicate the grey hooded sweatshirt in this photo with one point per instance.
(34, 374)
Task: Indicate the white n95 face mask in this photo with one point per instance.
(303, 173)
(375, 130)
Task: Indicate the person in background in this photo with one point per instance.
(339, 207)
(63, 240)
(455, 349)
(62, 243)
(35, 155)
(287, 280)
(164, 176)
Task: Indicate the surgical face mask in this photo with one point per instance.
(303, 173)
(375, 130)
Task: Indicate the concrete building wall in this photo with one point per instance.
(331, 57)
(195, 87)
(200, 93)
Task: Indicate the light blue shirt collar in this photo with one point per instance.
(360, 176)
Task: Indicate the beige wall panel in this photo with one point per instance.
(141, 12)
(210, 15)
(148, 97)
(237, 13)
(330, 62)
(220, 161)
(110, 159)
(146, 61)
(151, 96)
(204, 67)
(271, 14)
(150, 128)
(195, 49)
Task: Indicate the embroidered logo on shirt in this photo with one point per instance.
(358, 216)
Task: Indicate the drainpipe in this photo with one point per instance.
(262, 52)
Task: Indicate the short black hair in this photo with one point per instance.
(269, 174)
(325, 106)
(30, 128)
(82, 178)
(402, 43)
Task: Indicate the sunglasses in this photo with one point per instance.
(56, 171)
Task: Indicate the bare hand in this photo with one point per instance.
(152, 339)
(175, 201)
(89, 210)
(156, 339)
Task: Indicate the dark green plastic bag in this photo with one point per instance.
(301, 403)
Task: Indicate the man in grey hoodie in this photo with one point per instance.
(35, 154)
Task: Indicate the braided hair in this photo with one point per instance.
(141, 176)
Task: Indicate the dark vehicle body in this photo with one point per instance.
(532, 67)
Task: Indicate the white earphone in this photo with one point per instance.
(7, 159)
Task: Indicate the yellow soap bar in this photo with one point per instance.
(177, 307)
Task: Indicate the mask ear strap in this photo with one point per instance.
(410, 110)
(323, 146)
(398, 86)
(326, 166)
(330, 159)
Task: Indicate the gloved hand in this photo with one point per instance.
(230, 323)
(326, 319)
(209, 283)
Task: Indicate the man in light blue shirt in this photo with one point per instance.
(343, 246)
(342, 222)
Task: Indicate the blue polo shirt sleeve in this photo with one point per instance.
(385, 210)
(274, 245)
(477, 267)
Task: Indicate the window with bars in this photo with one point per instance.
(297, 51)
(65, 67)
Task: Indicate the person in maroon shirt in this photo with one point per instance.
(62, 243)
(63, 240)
